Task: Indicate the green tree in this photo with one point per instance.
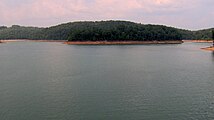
(213, 36)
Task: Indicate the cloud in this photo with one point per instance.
(49, 12)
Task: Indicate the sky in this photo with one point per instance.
(186, 14)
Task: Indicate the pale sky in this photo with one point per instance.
(187, 14)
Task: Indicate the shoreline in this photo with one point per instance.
(48, 40)
(211, 48)
(121, 42)
(6, 41)
(198, 41)
(111, 42)
(25, 40)
(208, 48)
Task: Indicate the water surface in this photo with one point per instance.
(52, 81)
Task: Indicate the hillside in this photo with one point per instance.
(20, 32)
(203, 34)
(122, 31)
(102, 31)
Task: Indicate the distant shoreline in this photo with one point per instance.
(121, 42)
(111, 42)
(209, 48)
(198, 41)
(202, 41)
(26, 40)
(21, 40)
(100, 42)
(116, 42)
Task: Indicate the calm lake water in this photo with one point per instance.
(52, 81)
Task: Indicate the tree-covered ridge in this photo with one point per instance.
(20, 32)
(213, 34)
(122, 31)
(102, 30)
(205, 34)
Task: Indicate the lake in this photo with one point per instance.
(53, 81)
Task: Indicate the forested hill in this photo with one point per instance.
(102, 30)
(205, 34)
(20, 32)
(122, 31)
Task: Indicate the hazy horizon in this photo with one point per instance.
(191, 15)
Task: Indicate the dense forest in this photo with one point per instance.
(122, 31)
(102, 31)
(19, 32)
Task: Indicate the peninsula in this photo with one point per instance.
(211, 48)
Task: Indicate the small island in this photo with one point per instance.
(122, 33)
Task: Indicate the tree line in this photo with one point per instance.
(102, 31)
(122, 31)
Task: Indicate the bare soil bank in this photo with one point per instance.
(199, 41)
(48, 40)
(202, 41)
(121, 42)
(209, 48)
